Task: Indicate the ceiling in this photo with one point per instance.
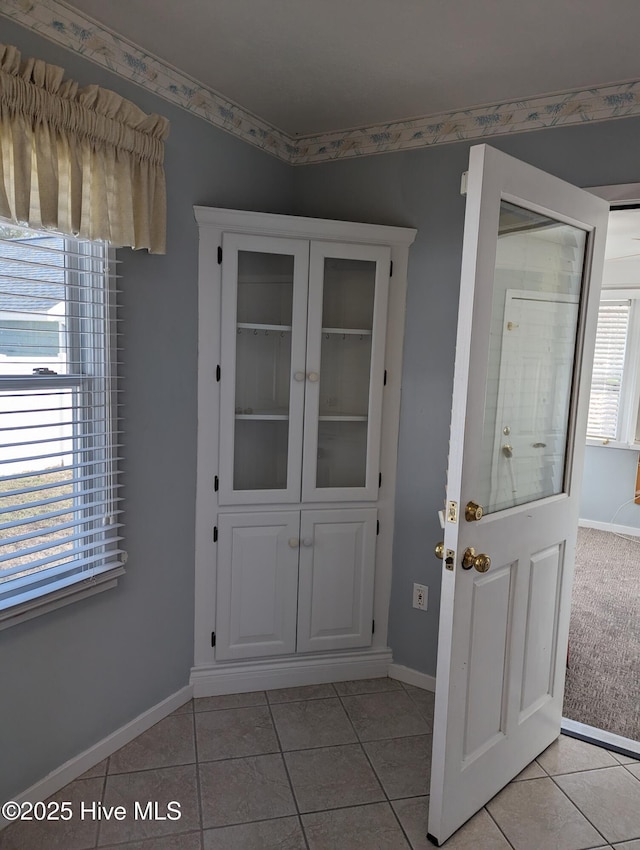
(315, 66)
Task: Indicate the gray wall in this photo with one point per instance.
(608, 485)
(69, 678)
(421, 189)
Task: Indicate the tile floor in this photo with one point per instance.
(331, 767)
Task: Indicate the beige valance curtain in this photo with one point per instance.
(81, 161)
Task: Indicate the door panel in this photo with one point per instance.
(337, 565)
(348, 291)
(531, 268)
(257, 584)
(263, 341)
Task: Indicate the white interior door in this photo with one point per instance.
(504, 618)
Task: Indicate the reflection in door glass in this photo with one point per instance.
(536, 296)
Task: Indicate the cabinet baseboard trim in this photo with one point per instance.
(412, 677)
(87, 759)
(242, 677)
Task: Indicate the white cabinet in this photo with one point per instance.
(294, 581)
(299, 361)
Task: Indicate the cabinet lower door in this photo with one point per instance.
(257, 584)
(337, 567)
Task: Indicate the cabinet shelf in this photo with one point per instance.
(260, 327)
(345, 418)
(349, 331)
(270, 417)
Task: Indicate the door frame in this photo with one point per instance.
(618, 195)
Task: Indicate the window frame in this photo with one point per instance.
(33, 600)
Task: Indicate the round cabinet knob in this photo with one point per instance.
(307, 541)
(313, 377)
(294, 542)
(298, 376)
(439, 551)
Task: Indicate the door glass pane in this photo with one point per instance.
(345, 369)
(536, 296)
(263, 369)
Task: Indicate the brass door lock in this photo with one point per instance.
(473, 512)
(480, 562)
(448, 555)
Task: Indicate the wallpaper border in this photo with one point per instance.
(57, 22)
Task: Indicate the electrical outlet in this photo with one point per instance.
(420, 596)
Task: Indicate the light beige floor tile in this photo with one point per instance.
(332, 777)
(569, 755)
(624, 759)
(242, 790)
(73, 834)
(279, 834)
(184, 709)
(360, 828)
(627, 845)
(425, 700)
(170, 784)
(229, 701)
(531, 771)
(235, 732)
(183, 841)
(403, 765)
(301, 693)
(385, 715)
(479, 833)
(367, 686)
(98, 770)
(170, 742)
(536, 815)
(312, 723)
(610, 798)
(634, 769)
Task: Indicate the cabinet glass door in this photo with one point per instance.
(262, 392)
(348, 288)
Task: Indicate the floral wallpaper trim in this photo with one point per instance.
(67, 27)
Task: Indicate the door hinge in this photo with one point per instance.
(377, 527)
(213, 638)
(219, 255)
(391, 269)
(215, 533)
(384, 382)
(216, 483)
(218, 373)
(373, 627)
(379, 479)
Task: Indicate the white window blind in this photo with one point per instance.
(59, 503)
(608, 368)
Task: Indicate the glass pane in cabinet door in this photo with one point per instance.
(345, 372)
(263, 369)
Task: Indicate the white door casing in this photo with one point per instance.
(503, 633)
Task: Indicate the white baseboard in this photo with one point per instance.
(631, 530)
(412, 677)
(243, 676)
(602, 738)
(79, 764)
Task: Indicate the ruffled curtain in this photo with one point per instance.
(85, 162)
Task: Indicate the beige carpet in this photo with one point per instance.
(603, 679)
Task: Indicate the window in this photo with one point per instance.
(59, 504)
(613, 404)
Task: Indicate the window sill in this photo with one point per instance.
(81, 589)
(612, 444)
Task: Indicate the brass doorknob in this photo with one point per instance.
(480, 562)
(439, 551)
(473, 512)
